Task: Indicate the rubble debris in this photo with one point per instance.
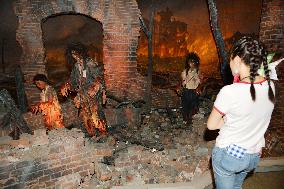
(185, 153)
(160, 149)
(11, 120)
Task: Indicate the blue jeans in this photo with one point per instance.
(230, 172)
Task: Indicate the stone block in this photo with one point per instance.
(98, 149)
(5, 140)
(40, 133)
(40, 138)
(135, 149)
(68, 182)
(103, 171)
(20, 143)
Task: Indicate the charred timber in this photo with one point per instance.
(14, 122)
(22, 98)
(222, 53)
(148, 33)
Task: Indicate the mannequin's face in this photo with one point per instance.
(191, 64)
(76, 56)
(40, 84)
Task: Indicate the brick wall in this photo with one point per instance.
(120, 29)
(60, 159)
(272, 34)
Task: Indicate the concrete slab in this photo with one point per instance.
(199, 182)
(206, 179)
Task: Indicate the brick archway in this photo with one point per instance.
(59, 32)
(120, 20)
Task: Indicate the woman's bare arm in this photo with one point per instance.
(215, 120)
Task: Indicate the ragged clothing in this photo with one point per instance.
(88, 81)
(50, 108)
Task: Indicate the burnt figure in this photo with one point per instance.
(87, 80)
(48, 105)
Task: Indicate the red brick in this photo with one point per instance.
(34, 175)
(50, 183)
(84, 173)
(44, 178)
(78, 169)
(55, 175)
(9, 182)
(76, 157)
(7, 168)
(4, 176)
(72, 165)
(121, 34)
(56, 149)
(67, 172)
(54, 170)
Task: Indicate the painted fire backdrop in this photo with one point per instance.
(182, 26)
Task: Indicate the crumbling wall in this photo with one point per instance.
(120, 30)
(272, 34)
(159, 150)
(60, 159)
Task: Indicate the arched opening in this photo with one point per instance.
(61, 30)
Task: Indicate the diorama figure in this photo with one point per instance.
(242, 111)
(190, 82)
(48, 105)
(87, 80)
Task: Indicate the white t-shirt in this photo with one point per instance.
(246, 120)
